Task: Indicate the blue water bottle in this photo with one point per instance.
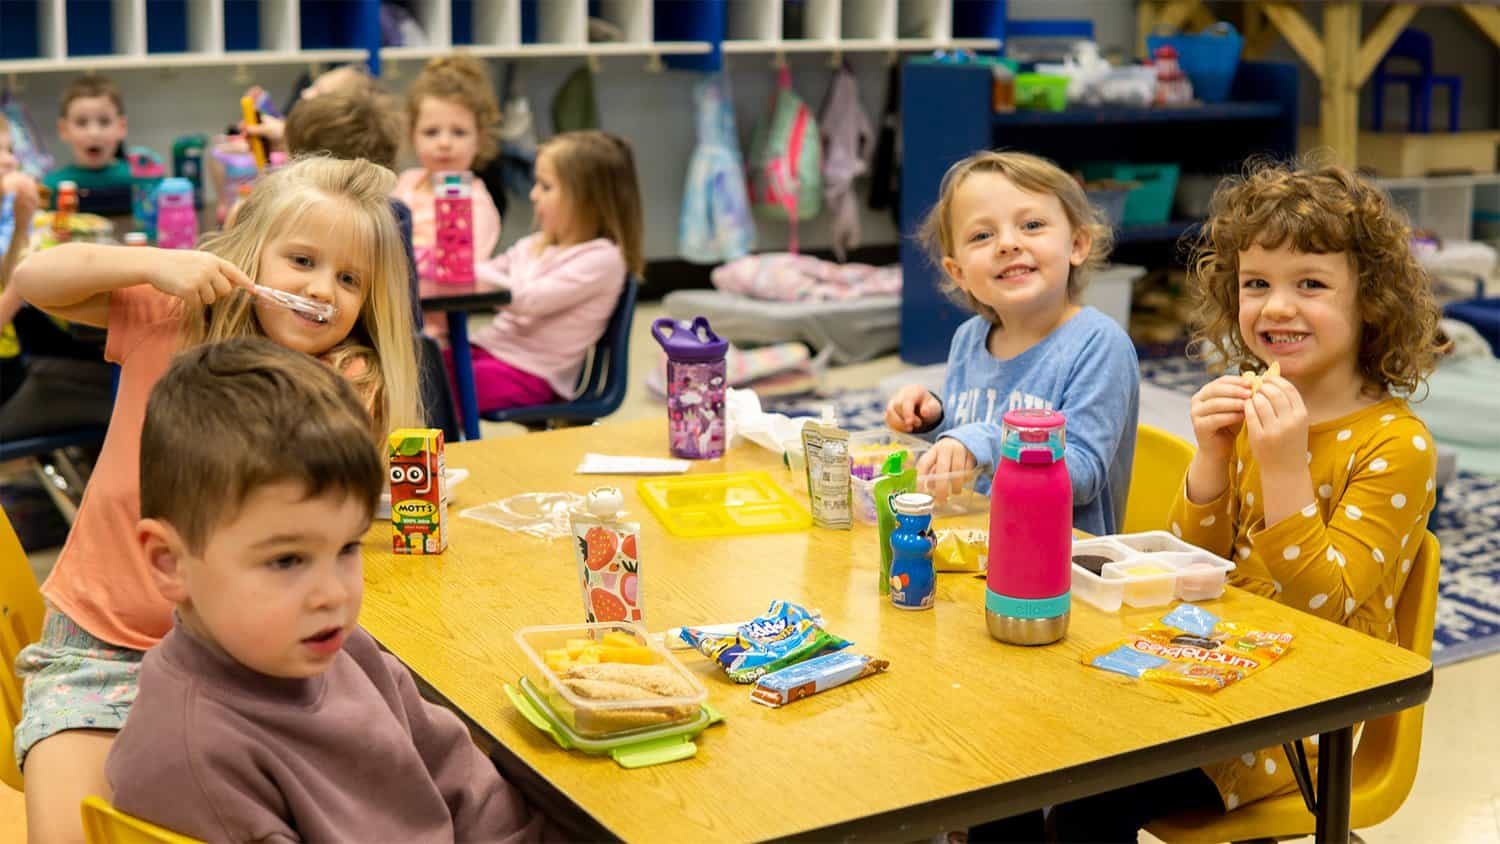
(912, 576)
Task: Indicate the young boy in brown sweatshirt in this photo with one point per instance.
(267, 714)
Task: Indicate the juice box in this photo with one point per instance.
(419, 510)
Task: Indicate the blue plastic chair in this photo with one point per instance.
(1415, 46)
(605, 375)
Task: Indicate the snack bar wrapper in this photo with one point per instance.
(820, 674)
(787, 634)
(1192, 647)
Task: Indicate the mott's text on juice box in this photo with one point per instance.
(419, 510)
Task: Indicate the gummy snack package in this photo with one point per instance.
(1192, 647)
(787, 634)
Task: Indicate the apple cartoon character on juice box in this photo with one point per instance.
(608, 566)
(419, 510)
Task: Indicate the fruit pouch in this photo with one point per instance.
(1192, 647)
(786, 635)
(609, 566)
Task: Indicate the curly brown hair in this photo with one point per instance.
(1320, 210)
(460, 79)
(1029, 173)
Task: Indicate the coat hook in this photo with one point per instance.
(891, 58)
(593, 61)
(241, 75)
(654, 64)
(390, 69)
(836, 59)
(778, 61)
(13, 84)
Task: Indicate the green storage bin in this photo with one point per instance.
(1147, 205)
(1041, 92)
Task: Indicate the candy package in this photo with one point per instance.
(787, 634)
(1192, 647)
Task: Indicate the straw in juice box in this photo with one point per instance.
(608, 565)
(828, 478)
(419, 509)
(893, 481)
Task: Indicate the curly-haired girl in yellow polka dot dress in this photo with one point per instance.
(1316, 479)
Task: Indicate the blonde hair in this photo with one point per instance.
(460, 79)
(1030, 173)
(1324, 211)
(596, 174)
(230, 418)
(378, 356)
(355, 124)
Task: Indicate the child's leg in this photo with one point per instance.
(1119, 815)
(60, 771)
(498, 385)
(78, 691)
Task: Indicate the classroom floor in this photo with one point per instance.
(1456, 797)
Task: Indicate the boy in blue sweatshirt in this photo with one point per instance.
(1016, 237)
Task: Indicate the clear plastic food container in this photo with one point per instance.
(952, 495)
(1145, 570)
(651, 691)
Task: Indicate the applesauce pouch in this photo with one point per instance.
(828, 475)
(892, 482)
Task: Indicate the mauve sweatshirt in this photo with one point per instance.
(217, 751)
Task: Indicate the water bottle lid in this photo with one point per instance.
(1033, 435)
(689, 341)
(175, 184)
(912, 504)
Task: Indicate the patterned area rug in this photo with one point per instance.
(1467, 522)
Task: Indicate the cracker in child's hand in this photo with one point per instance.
(1256, 379)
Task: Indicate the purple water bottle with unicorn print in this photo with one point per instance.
(695, 387)
(453, 227)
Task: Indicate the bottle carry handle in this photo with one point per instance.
(698, 328)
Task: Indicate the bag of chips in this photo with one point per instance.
(1192, 647)
(786, 635)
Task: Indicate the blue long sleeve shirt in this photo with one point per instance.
(1087, 370)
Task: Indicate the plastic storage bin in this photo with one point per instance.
(1041, 92)
(1210, 59)
(1110, 202)
(1150, 203)
(1145, 570)
(600, 719)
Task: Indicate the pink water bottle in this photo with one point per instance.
(453, 228)
(176, 219)
(1027, 596)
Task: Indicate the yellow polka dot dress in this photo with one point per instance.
(1344, 557)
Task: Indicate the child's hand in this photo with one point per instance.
(947, 456)
(1276, 420)
(913, 409)
(24, 189)
(1218, 411)
(197, 278)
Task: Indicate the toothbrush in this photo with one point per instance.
(320, 311)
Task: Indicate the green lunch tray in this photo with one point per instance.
(722, 505)
(635, 749)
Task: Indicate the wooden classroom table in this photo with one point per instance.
(458, 301)
(961, 729)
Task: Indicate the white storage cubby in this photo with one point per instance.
(873, 20)
(812, 21)
(632, 17)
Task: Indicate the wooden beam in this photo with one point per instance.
(1486, 17)
(1380, 39)
(1299, 33)
(1339, 107)
(1145, 20)
(1166, 14)
(1176, 13)
(1260, 35)
(1200, 19)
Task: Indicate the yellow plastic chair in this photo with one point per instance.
(21, 612)
(1161, 459)
(104, 824)
(1384, 765)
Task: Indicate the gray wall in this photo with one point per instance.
(654, 111)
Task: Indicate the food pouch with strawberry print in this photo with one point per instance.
(608, 567)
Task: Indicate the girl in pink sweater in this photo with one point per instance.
(566, 277)
(452, 111)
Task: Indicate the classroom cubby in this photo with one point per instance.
(874, 20)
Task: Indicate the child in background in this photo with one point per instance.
(1016, 239)
(267, 713)
(452, 115)
(1318, 483)
(92, 123)
(319, 228)
(565, 278)
(351, 79)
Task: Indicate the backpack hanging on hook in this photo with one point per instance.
(785, 183)
(715, 225)
(848, 142)
(574, 107)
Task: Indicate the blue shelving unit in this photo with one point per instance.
(946, 116)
